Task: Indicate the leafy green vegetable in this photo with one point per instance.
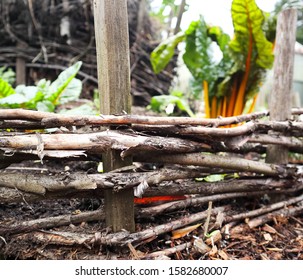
(5, 88)
(212, 178)
(228, 84)
(65, 88)
(167, 103)
(85, 109)
(161, 55)
(7, 74)
(46, 95)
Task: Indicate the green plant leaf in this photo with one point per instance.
(248, 21)
(57, 88)
(198, 57)
(71, 92)
(45, 106)
(214, 178)
(162, 54)
(5, 88)
(83, 110)
(222, 39)
(13, 101)
(24, 97)
(162, 103)
(7, 74)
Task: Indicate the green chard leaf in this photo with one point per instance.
(162, 54)
(65, 88)
(5, 88)
(248, 22)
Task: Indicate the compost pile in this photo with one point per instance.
(50, 35)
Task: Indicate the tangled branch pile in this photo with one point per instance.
(189, 149)
(52, 35)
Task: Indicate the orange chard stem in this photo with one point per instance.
(224, 106)
(220, 106)
(253, 104)
(241, 94)
(206, 99)
(232, 100)
(213, 111)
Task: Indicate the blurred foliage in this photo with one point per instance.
(169, 104)
(45, 96)
(298, 4)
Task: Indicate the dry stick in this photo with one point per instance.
(119, 238)
(225, 162)
(281, 126)
(30, 187)
(263, 210)
(44, 184)
(50, 222)
(290, 142)
(206, 224)
(195, 201)
(202, 132)
(55, 120)
(160, 229)
(167, 252)
(63, 220)
(103, 141)
(297, 111)
(269, 216)
(234, 185)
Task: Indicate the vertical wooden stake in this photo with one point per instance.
(280, 99)
(20, 67)
(112, 44)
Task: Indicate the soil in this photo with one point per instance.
(281, 239)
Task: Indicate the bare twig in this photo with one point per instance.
(119, 238)
(167, 252)
(263, 210)
(54, 120)
(50, 222)
(287, 212)
(211, 160)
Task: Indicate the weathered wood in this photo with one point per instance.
(127, 143)
(31, 188)
(112, 44)
(50, 222)
(20, 67)
(286, 212)
(280, 100)
(264, 210)
(55, 120)
(226, 162)
(119, 238)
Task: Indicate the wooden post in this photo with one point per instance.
(280, 99)
(20, 67)
(112, 44)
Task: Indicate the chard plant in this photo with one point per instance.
(44, 96)
(231, 84)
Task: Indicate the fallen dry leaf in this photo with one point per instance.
(184, 231)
